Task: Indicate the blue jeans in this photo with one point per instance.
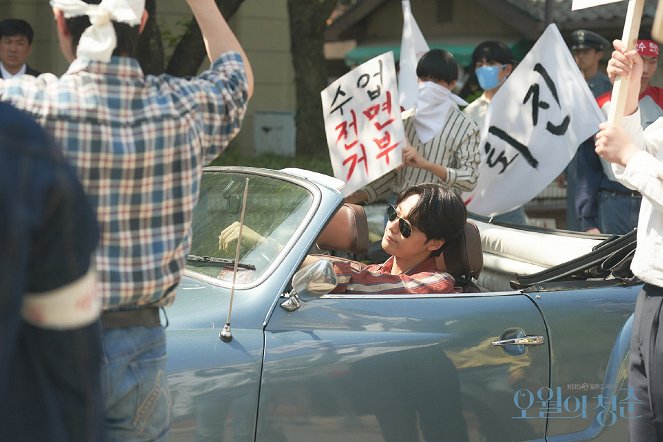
(135, 385)
(618, 213)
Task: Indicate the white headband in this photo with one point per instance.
(99, 41)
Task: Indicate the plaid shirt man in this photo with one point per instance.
(138, 144)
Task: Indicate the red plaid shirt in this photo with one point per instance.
(377, 279)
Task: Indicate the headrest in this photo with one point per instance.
(463, 256)
(346, 231)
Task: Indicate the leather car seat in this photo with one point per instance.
(463, 258)
(347, 231)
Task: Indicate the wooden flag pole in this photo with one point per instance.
(629, 38)
(657, 28)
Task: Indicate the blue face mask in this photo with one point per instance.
(488, 76)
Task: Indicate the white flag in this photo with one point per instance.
(413, 46)
(534, 125)
(582, 4)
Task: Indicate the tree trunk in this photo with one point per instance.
(307, 24)
(150, 46)
(190, 51)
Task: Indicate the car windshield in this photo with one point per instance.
(275, 208)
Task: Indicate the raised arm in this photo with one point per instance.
(218, 36)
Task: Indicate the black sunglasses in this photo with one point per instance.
(404, 225)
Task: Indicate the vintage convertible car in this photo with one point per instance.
(532, 347)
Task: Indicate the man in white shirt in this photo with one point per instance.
(15, 46)
(637, 162)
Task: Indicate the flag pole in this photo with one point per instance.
(657, 28)
(629, 37)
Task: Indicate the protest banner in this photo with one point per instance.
(535, 123)
(413, 46)
(363, 123)
(582, 4)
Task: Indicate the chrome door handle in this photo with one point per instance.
(527, 340)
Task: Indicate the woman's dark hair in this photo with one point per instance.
(127, 35)
(492, 51)
(439, 213)
(437, 65)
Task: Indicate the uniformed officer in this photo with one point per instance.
(588, 49)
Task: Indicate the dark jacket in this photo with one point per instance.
(50, 379)
(28, 71)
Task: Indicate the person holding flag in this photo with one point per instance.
(636, 160)
(493, 63)
(443, 143)
(603, 204)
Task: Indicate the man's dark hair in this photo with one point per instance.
(437, 65)
(15, 26)
(127, 35)
(644, 34)
(492, 51)
(439, 213)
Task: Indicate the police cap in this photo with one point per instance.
(582, 39)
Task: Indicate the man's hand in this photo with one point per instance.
(625, 64)
(613, 145)
(593, 230)
(357, 197)
(413, 158)
(229, 235)
(629, 66)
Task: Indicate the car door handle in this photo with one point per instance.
(527, 340)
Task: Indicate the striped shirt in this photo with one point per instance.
(456, 147)
(377, 279)
(138, 144)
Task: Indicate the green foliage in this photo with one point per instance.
(171, 34)
(234, 157)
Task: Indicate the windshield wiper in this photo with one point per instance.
(223, 261)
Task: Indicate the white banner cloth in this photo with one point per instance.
(413, 46)
(582, 4)
(534, 125)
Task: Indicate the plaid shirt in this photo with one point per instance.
(377, 279)
(138, 144)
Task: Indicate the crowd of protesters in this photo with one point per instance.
(121, 328)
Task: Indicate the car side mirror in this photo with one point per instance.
(314, 280)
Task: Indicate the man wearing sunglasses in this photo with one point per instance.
(424, 219)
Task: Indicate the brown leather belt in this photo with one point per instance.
(144, 317)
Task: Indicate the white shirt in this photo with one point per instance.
(643, 173)
(6, 75)
(477, 110)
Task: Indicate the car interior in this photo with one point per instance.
(347, 232)
(491, 258)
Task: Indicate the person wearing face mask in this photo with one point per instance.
(443, 143)
(493, 63)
